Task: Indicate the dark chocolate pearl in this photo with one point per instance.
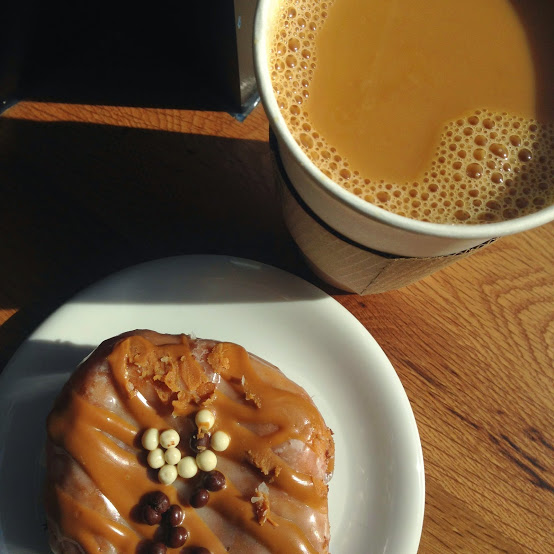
(150, 516)
(201, 550)
(199, 445)
(175, 515)
(176, 537)
(157, 548)
(200, 498)
(159, 501)
(214, 481)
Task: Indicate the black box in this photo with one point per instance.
(190, 55)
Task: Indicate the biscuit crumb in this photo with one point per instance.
(249, 394)
(265, 462)
(261, 505)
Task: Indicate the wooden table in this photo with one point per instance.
(89, 190)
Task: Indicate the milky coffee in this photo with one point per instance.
(439, 111)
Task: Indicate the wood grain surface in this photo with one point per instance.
(86, 190)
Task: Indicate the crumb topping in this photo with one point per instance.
(261, 505)
(218, 360)
(179, 380)
(265, 461)
(249, 394)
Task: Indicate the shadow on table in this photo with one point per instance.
(81, 201)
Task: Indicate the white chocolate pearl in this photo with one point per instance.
(220, 441)
(204, 419)
(167, 474)
(206, 460)
(172, 456)
(151, 439)
(169, 438)
(187, 467)
(155, 458)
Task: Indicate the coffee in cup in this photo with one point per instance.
(430, 110)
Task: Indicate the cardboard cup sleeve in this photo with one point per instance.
(345, 264)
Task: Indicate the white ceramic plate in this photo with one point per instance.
(377, 492)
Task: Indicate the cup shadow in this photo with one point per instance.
(82, 201)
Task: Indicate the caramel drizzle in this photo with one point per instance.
(74, 514)
(87, 432)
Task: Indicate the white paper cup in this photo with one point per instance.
(352, 218)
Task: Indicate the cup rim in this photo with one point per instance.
(328, 186)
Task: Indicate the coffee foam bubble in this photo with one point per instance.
(488, 166)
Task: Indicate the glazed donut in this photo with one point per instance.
(239, 452)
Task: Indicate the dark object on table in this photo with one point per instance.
(193, 55)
